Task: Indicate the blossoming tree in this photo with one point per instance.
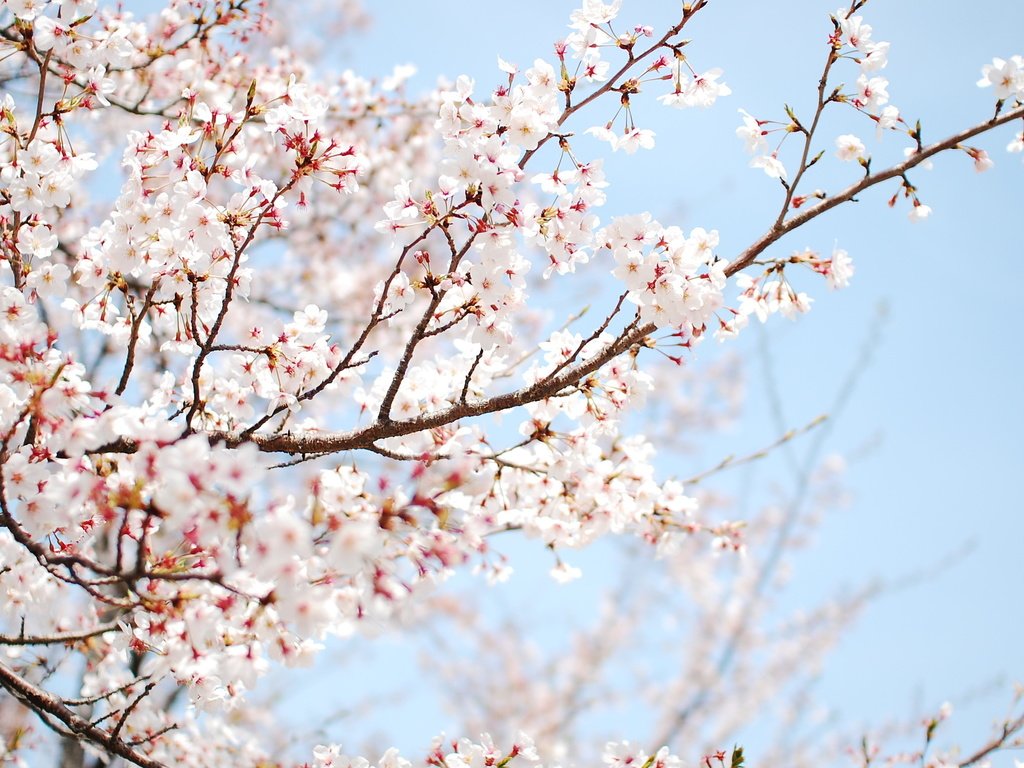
(247, 401)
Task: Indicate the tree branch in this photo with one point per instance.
(781, 228)
(43, 702)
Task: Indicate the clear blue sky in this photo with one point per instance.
(939, 403)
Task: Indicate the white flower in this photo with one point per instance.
(38, 241)
(982, 162)
(50, 279)
(563, 573)
(526, 127)
(840, 270)
(771, 165)
(1006, 76)
(705, 89)
(849, 148)
(872, 93)
(856, 32)
(26, 9)
(638, 138)
(594, 12)
(919, 212)
(751, 133)
(1017, 145)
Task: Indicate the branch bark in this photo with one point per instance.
(44, 704)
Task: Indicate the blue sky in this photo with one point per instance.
(934, 427)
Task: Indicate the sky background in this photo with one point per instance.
(933, 431)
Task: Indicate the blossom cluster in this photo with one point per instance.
(465, 753)
(852, 39)
(245, 395)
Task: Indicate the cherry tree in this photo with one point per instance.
(283, 348)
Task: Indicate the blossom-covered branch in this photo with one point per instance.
(320, 265)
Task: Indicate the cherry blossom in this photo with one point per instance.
(771, 165)
(920, 212)
(1006, 76)
(849, 148)
(283, 349)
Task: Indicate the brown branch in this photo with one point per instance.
(88, 700)
(44, 704)
(41, 95)
(469, 376)
(384, 414)
(366, 436)
(809, 133)
(229, 290)
(133, 339)
(346, 362)
(1009, 728)
(57, 638)
(779, 229)
(115, 734)
(596, 334)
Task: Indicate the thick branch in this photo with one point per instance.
(44, 703)
(365, 437)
